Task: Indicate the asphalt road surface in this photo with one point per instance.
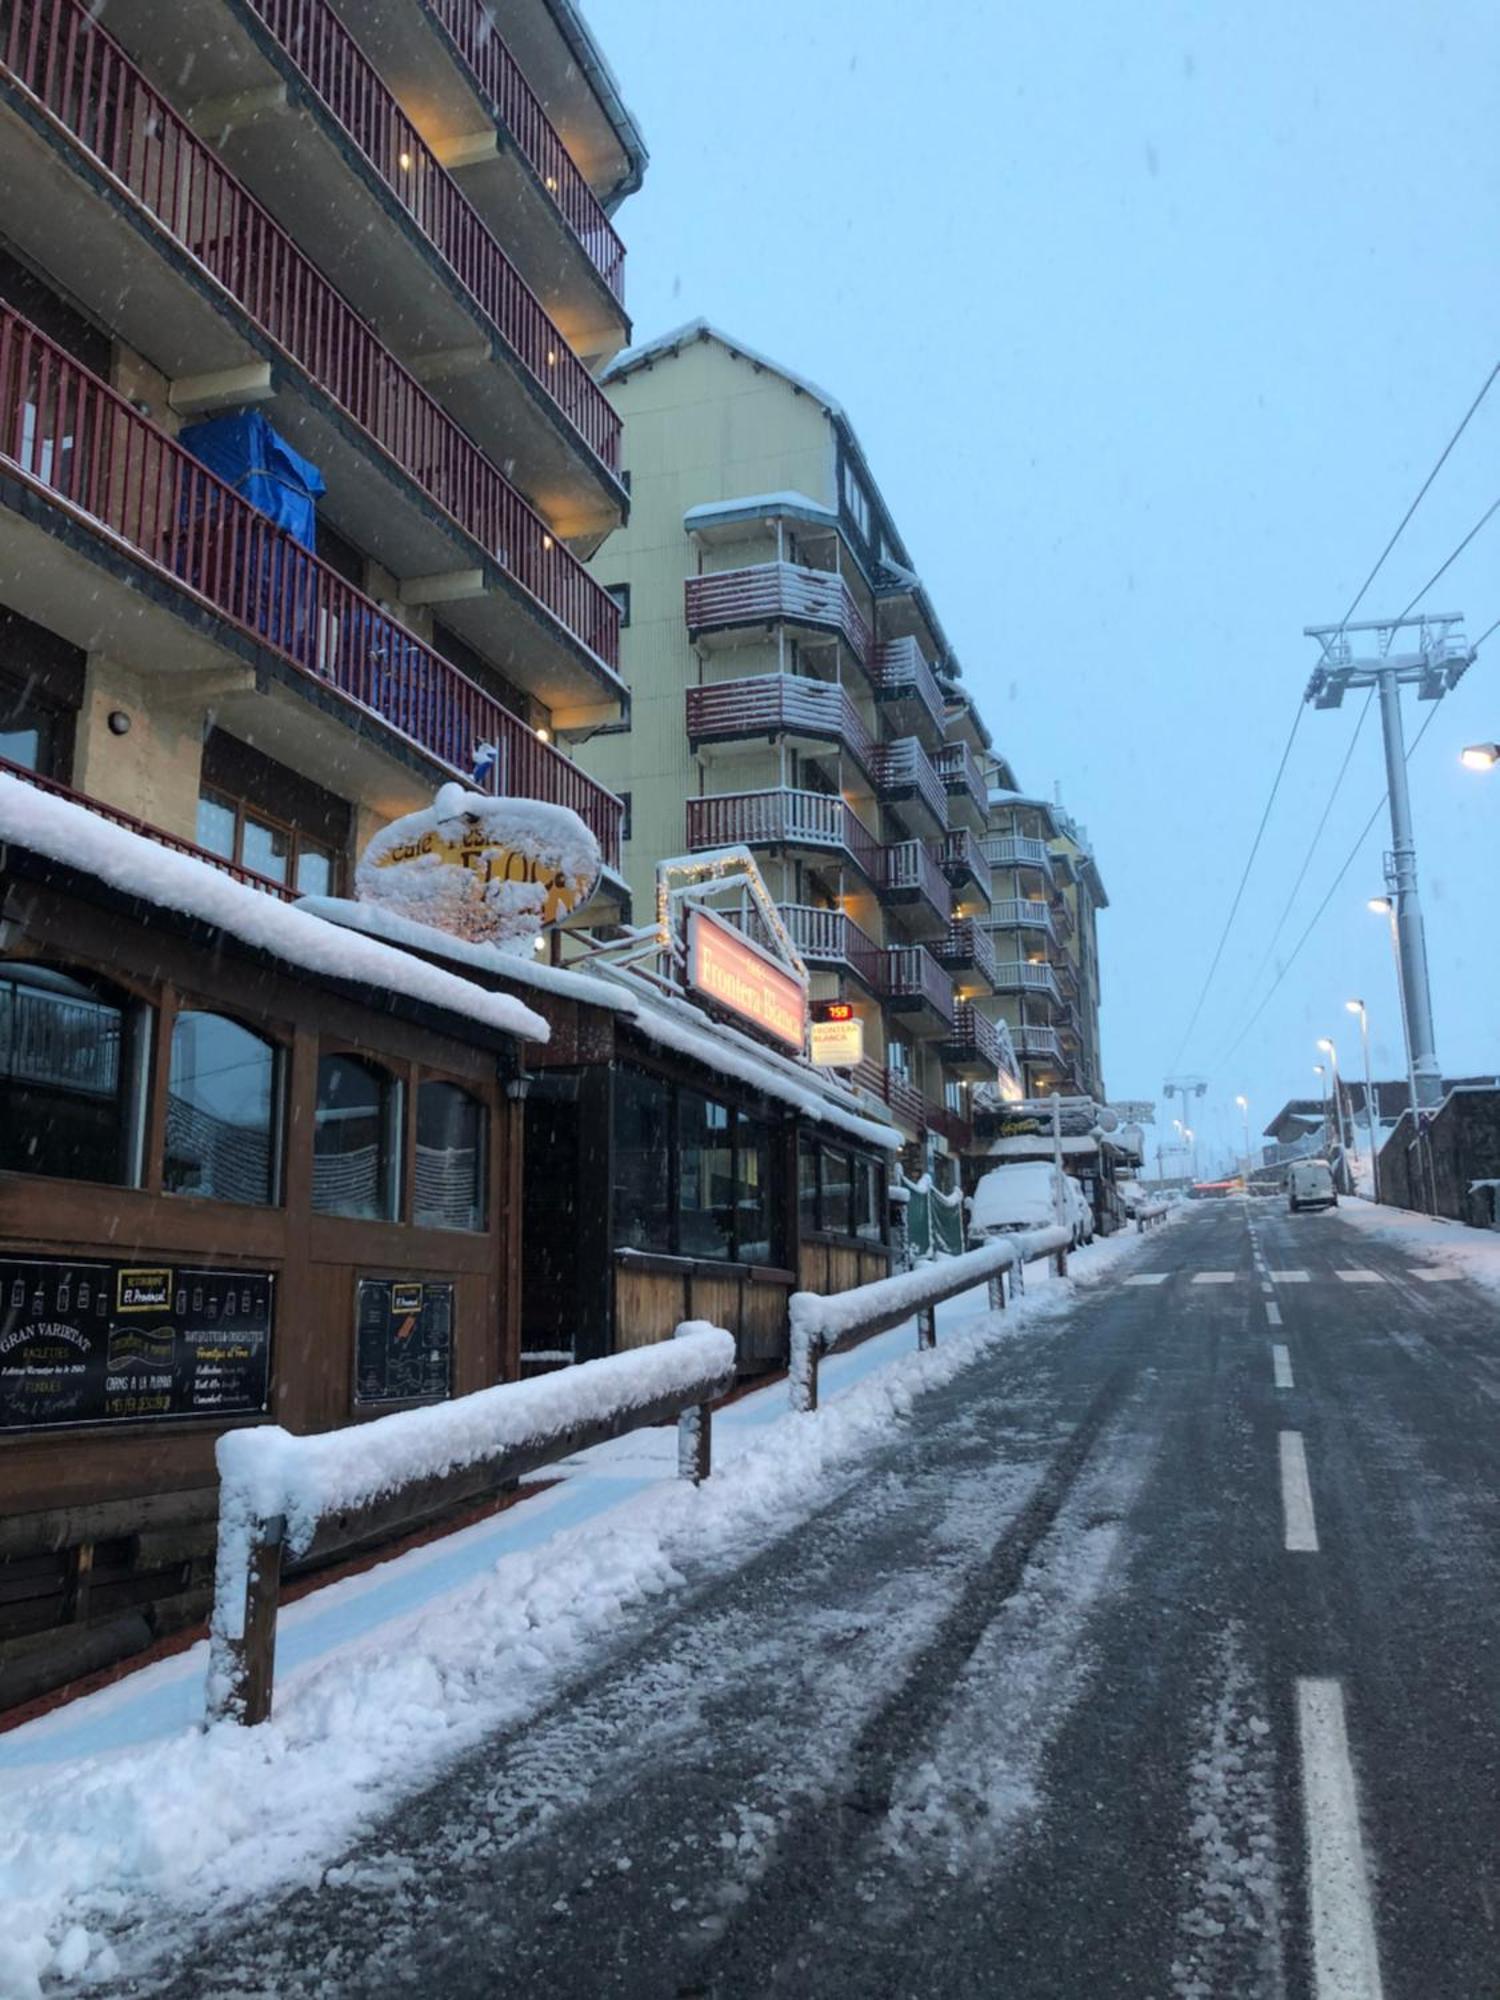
(1157, 1656)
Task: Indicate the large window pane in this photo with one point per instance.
(869, 1201)
(267, 849)
(221, 1104)
(838, 1193)
(216, 825)
(807, 1189)
(71, 1086)
(449, 1190)
(706, 1165)
(356, 1140)
(755, 1219)
(642, 1163)
(314, 869)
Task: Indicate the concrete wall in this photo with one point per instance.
(1464, 1141)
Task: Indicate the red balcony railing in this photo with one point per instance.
(903, 770)
(908, 869)
(769, 593)
(775, 705)
(147, 831)
(912, 973)
(782, 818)
(899, 672)
(73, 438)
(965, 944)
(357, 98)
(54, 50)
(896, 1091)
(474, 33)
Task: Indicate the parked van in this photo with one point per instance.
(1309, 1184)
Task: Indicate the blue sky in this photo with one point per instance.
(1152, 321)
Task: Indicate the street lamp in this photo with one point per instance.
(1385, 906)
(1320, 1071)
(1358, 1007)
(1480, 756)
(1325, 1043)
(1244, 1104)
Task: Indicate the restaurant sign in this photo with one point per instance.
(726, 968)
(837, 1035)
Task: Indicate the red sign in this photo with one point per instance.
(727, 969)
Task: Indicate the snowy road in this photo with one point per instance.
(1157, 1654)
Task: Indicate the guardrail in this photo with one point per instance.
(1151, 1211)
(300, 1497)
(843, 1319)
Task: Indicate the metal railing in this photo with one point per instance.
(1030, 1040)
(912, 973)
(1021, 976)
(775, 705)
(475, 34)
(961, 858)
(1020, 913)
(973, 1030)
(904, 770)
(356, 97)
(898, 672)
(967, 943)
(908, 868)
(73, 438)
(84, 80)
(772, 593)
(1016, 850)
(782, 818)
(959, 770)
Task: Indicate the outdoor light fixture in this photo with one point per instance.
(405, 161)
(119, 722)
(1379, 905)
(544, 736)
(1480, 756)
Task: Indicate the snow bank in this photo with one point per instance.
(127, 861)
(1433, 1238)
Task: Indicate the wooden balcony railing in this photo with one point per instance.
(1020, 913)
(908, 869)
(903, 770)
(968, 943)
(72, 438)
(899, 673)
(775, 705)
(824, 937)
(54, 50)
(357, 99)
(897, 1091)
(782, 818)
(475, 34)
(773, 593)
(912, 973)
(975, 1031)
(1015, 850)
(1037, 1042)
(1020, 976)
(147, 831)
(961, 858)
(960, 771)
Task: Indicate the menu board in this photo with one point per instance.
(91, 1343)
(403, 1341)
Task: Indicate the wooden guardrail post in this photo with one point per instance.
(927, 1326)
(242, 1665)
(694, 1429)
(802, 1369)
(1062, 1263)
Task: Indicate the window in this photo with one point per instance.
(754, 1213)
(245, 836)
(356, 1140)
(73, 1060)
(450, 1181)
(620, 592)
(261, 815)
(856, 502)
(705, 1154)
(807, 1189)
(642, 1162)
(626, 802)
(41, 689)
(222, 1104)
(838, 1193)
(869, 1200)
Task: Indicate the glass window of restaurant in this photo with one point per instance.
(74, 1056)
(223, 1104)
(839, 1193)
(693, 1176)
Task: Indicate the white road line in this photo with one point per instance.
(1266, 1285)
(1360, 1276)
(1148, 1278)
(1346, 1957)
(1440, 1277)
(1281, 1367)
(1291, 1277)
(1214, 1277)
(1301, 1533)
(1273, 1312)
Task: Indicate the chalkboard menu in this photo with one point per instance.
(403, 1341)
(90, 1343)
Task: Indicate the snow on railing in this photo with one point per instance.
(1147, 1213)
(820, 1324)
(302, 1497)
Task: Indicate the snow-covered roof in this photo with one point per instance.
(759, 507)
(71, 835)
(642, 355)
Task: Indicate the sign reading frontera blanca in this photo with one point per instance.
(90, 1343)
(403, 1341)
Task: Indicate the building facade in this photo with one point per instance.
(793, 691)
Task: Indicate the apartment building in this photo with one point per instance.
(793, 691)
(302, 449)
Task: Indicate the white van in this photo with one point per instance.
(1309, 1184)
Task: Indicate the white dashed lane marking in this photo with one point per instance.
(1346, 1957)
(1440, 1277)
(1281, 1367)
(1148, 1278)
(1292, 1277)
(1273, 1312)
(1301, 1532)
(1360, 1276)
(1214, 1277)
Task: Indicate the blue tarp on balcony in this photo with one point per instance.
(245, 452)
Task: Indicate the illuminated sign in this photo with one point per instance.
(726, 968)
(837, 1035)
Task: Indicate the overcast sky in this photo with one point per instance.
(1152, 320)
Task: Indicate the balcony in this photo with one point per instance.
(825, 938)
(1008, 913)
(783, 818)
(1036, 1044)
(114, 536)
(405, 483)
(730, 601)
(897, 1092)
(1021, 976)
(485, 123)
(966, 949)
(976, 1047)
(915, 986)
(904, 776)
(907, 689)
(285, 95)
(965, 783)
(1062, 918)
(1014, 850)
(961, 859)
(771, 705)
(915, 890)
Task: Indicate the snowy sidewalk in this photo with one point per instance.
(122, 1796)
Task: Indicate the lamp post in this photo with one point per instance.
(1385, 906)
(1341, 1132)
(1358, 1007)
(1244, 1104)
(1320, 1071)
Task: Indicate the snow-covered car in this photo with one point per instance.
(1132, 1196)
(1024, 1195)
(1309, 1184)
